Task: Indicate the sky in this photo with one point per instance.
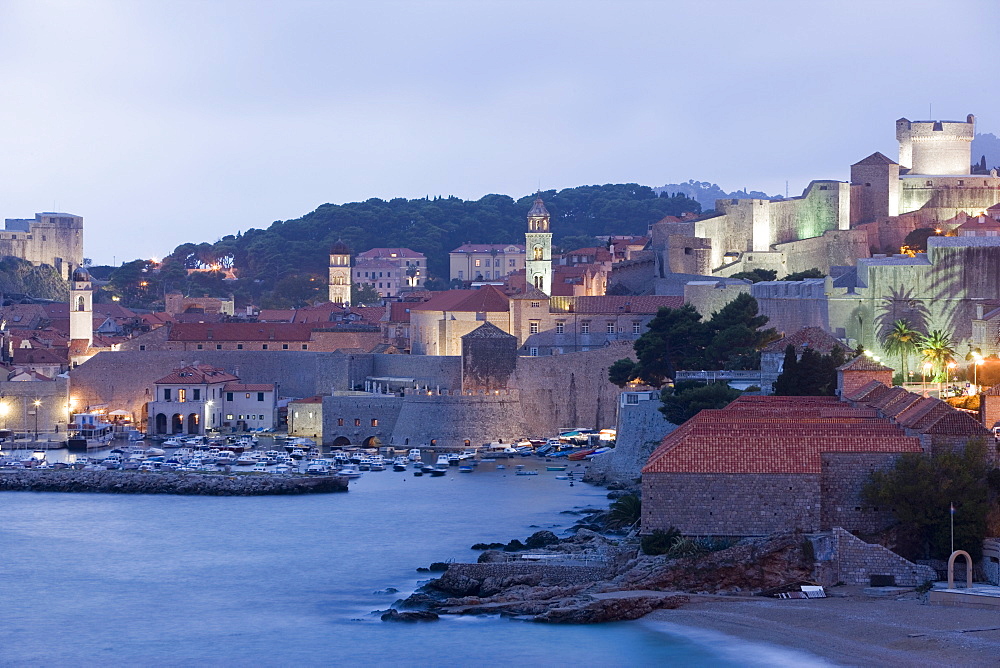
(165, 122)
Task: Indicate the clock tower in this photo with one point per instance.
(538, 248)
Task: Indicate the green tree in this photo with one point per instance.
(921, 490)
(737, 336)
(757, 275)
(675, 340)
(625, 512)
(802, 275)
(363, 294)
(787, 383)
(902, 340)
(687, 398)
(622, 371)
(937, 348)
(810, 374)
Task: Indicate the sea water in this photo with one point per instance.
(159, 580)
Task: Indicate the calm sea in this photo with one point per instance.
(89, 579)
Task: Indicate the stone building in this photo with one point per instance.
(340, 274)
(55, 239)
(485, 262)
(391, 271)
(175, 303)
(489, 357)
(274, 336)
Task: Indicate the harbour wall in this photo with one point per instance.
(194, 484)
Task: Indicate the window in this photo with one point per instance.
(536, 304)
(264, 347)
(195, 395)
(229, 396)
(533, 327)
(357, 422)
(260, 396)
(340, 422)
(305, 346)
(248, 395)
(560, 327)
(611, 328)
(374, 422)
(166, 394)
(496, 263)
(533, 352)
(229, 417)
(239, 346)
(511, 263)
(632, 398)
(478, 263)
(461, 275)
(182, 395)
(636, 327)
(585, 328)
(142, 347)
(200, 346)
(284, 346)
(261, 417)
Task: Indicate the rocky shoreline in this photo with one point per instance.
(197, 484)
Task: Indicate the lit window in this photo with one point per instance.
(248, 395)
(374, 422)
(478, 263)
(340, 422)
(182, 395)
(230, 416)
(357, 422)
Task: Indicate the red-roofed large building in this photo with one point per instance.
(198, 398)
(390, 271)
(317, 337)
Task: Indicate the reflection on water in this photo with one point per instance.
(176, 580)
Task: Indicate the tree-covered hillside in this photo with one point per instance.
(20, 277)
(286, 264)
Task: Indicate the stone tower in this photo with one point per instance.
(340, 274)
(940, 148)
(81, 307)
(538, 247)
(489, 356)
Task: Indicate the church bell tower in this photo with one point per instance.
(340, 274)
(538, 248)
(81, 307)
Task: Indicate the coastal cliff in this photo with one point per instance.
(196, 484)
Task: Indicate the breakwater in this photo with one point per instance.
(196, 484)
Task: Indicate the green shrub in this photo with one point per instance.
(659, 542)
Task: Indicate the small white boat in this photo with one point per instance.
(414, 455)
(349, 471)
(155, 452)
(442, 460)
(282, 468)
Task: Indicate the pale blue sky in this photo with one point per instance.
(163, 122)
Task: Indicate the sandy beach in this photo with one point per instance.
(850, 628)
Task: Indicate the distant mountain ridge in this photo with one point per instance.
(705, 193)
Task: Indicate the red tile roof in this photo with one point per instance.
(249, 387)
(241, 331)
(485, 299)
(486, 248)
(815, 338)
(276, 315)
(863, 363)
(317, 399)
(40, 356)
(196, 375)
(404, 253)
(870, 392)
(775, 435)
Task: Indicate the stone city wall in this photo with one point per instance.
(451, 420)
(842, 557)
(17, 402)
(641, 428)
(733, 504)
(844, 475)
(359, 416)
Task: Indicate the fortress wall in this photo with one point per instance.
(431, 370)
(632, 276)
(19, 396)
(383, 409)
(572, 390)
(792, 305)
(641, 428)
(732, 231)
(947, 196)
(708, 297)
(825, 205)
(835, 248)
(124, 380)
(451, 420)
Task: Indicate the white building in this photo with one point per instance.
(200, 398)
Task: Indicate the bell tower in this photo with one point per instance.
(340, 274)
(81, 307)
(538, 248)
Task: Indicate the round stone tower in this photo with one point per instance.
(939, 148)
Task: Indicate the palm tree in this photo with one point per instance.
(902, 340)
(937, 349)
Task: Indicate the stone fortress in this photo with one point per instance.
(55, 239)
(833, 223)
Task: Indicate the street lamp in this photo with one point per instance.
(926, 368)
(951, 371)
(978, 362)
(4, 409)
(208, 410)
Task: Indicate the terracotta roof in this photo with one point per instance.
(241, 331)
(108, 310)
(870, 392)
(485, 299)
(78, 347)
(980, 223)
(486, 248)
(398, 312)
(775, 435)
(276, 315)
(488, 331)
(375, 263)
(369, 314)
(599, 253)
(815, 338)
(196, 375)
(40, 356)
(404, 253)
(317, 399)
(615, 304)
(863, 363)
(531, 293)
(249, 387)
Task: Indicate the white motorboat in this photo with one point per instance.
(349, 471)
(414, 455)
(442, 460)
